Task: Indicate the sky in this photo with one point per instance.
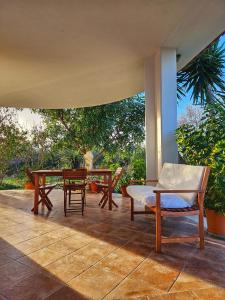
(27, 119)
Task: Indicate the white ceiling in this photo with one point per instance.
(73, 53)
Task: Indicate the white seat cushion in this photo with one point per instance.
(140, 192)
(145, 195)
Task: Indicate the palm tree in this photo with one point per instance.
(204, 76)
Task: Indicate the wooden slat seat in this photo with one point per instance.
(185, 209)
(102, 185)
(47, 186)
(74, 186)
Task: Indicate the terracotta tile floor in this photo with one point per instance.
(102, 255)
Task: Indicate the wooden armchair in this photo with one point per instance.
(180, 192)
(104, 188)
(74, 182)
(44, 190)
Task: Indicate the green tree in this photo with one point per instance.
(13, 142)
(102, 129)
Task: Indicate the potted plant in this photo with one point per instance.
(123, 183)
(93, 184)
(28, 185)
(205, 145)
(215, 198)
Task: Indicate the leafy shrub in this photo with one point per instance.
(136, 167)
(138, 163)
(205, 145)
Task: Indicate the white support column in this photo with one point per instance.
(160, 110)
(150, 120)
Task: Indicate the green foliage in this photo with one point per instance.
(205, 145)
(124, 181)
(104, 129)
(13, 144)
(112, 132)
(204, 75)
(138, 163)
(135, 167)
(11, 183)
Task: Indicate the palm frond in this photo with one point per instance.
(203, 76)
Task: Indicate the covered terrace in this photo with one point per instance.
(68, 54)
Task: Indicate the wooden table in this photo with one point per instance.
(48, 173)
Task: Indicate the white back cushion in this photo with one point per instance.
(183, 177)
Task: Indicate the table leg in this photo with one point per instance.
(110, 191)
(105, 179)
(36, 193)
(43, 181)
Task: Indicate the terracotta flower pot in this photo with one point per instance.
(28, 186)
(93, 187)
(123, 190)
(216, 222)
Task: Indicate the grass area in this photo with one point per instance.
(11, 183)
(17, 183)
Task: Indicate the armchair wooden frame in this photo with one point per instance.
(197, 209)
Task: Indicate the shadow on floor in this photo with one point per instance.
(193, 269)
(19, 281)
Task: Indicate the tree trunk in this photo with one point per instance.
(1, 178)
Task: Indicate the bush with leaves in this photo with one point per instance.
(134, 163)
(12, 148)
(138, 163)
(13, 145)
(205, 145)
